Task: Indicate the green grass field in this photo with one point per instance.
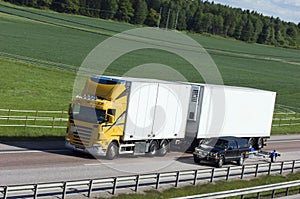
(42, 36)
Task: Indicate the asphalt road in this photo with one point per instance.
(27, 162)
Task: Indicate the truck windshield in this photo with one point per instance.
(218, 143)
(88, 114)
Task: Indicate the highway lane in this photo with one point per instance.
(21, 165)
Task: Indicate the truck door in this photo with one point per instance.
(194, 111)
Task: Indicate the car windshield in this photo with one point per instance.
(213, 142)
(88, 114)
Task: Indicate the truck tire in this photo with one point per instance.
(112, 151)
(241, 160)
(196, 159)
(221, 162)
(164, 147)
(251, 142)
(153, 148)
(260, 143)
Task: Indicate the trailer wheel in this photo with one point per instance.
(260, 143)
(196, 159)
(112, 151)
(164, 146)
(240, 162)
(251, 142)
(220, 162)
(153, 148)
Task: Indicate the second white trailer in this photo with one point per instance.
(217, 110)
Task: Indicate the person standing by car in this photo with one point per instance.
(273, 155)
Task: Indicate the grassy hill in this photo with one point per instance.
(63, 41)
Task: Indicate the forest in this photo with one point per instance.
(183, 15)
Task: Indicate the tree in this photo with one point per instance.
(68, 6)
(247, 31)
(140, 11)
(125, 11)
(109, 9)
(152, 18)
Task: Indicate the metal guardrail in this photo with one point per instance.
(16, 118)
(246, 191)
(284, 119)
(154, 180)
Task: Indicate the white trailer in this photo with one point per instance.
(232, 111)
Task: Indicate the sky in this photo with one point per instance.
(286, 10)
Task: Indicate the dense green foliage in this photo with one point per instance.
(195, 16)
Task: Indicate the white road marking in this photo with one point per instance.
(30, 151)
(98, 164)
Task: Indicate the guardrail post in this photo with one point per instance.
(243, 170)
(287, 191)
(157, 181)
(195, 177)
(8, 115)
(242, 196)
(114, 186)
(35, 191)
(177, 178)
(137, 183)
(258, 195)
(53, 122)
(228, 173)
(64, 190)
(212, 175)
(273, 194)
(26, 121)
(90, 188)
(281, 168)
(279, 121)
(36, 114)
(293, 166)
(5, 192)
(270, 167)
(256, 170)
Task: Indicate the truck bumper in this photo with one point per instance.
(95, 150)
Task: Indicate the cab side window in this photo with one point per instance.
(232, 145)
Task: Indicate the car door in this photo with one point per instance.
(232, 150)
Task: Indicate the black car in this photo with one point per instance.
(222, 149)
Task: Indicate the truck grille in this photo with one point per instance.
(82, 137)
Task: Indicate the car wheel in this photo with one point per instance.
(220, 162)
(112, 151)
(196, 159)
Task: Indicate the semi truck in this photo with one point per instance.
(123, 115)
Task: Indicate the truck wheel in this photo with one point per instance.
(260, 143)
(196, 159)
(112, 151)
(153, 149)
(240, 162)
(164, 146)
(220, 162)
(251, 142)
